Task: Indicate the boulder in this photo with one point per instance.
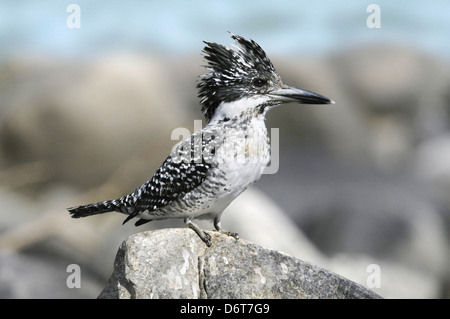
(175, 263)
(30, 276)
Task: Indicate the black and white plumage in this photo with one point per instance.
(205, 172)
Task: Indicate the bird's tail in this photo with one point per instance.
(94, 209)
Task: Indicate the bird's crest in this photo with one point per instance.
(232, 71)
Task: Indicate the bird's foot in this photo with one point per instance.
(203, 235)
(206, 238)
(219, 229)
(228, 233)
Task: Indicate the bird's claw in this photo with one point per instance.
(206, 239)
(229, 233)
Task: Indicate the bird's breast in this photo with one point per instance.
(243, 153)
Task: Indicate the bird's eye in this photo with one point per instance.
(259, 82)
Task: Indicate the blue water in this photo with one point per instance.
(178, 27)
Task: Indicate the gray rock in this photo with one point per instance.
(36, 277)
(117, 106)
(175, 263)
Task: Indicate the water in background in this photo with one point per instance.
(174, 27)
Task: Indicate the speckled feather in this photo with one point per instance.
(182, 171)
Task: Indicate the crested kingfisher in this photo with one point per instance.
(205, 172)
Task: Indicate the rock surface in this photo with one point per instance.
(174, 263)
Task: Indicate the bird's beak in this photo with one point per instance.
(292, 94)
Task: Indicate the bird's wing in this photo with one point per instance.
(183, 170)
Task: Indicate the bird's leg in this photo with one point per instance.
(203, 236)
(219, 228)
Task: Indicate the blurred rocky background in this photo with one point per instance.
(86, 114)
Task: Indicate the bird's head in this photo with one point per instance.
(242, 79)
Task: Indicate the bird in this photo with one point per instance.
(206, 171)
